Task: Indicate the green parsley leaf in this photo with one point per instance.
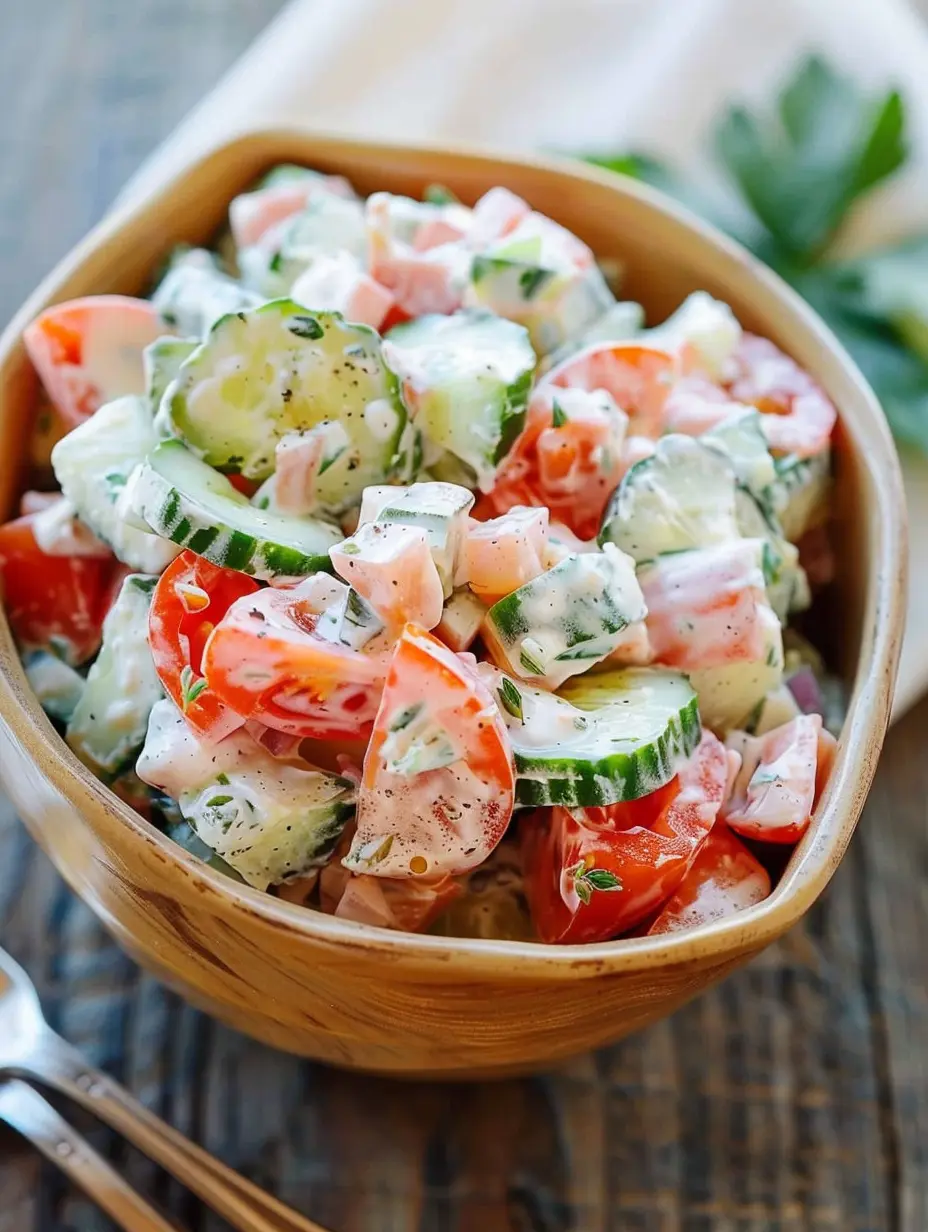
(510, 699)
(558, 417)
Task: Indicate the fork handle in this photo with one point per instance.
(29, 1114)
(242, 1204)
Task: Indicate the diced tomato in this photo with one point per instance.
(706, 608)
(52, 602)
(798, 417)
(694, 405)
(496, 215)
(589, 885)
(409, 904)
(266, 660)
(89, 351)
(247, 487)
(504, 553)
(724, 878)
(774, 791)
(190, 599)
(253, 214)
(638, 378)
(438, 784)
(391, 566)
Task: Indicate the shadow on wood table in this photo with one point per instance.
(793, 1097)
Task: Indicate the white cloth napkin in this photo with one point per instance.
(579, 74)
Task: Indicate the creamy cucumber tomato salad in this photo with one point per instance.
(395, 567)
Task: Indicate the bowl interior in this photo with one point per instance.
(665, 253)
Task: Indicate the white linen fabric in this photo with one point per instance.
(579, 74)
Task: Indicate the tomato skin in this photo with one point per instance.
(407, 904)
(177, 636)
(776, 788)
(724, 878)
(53, 601)
(588, 885)
(266, 662)
(645, 811)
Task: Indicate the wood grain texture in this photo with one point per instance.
(793, 1097)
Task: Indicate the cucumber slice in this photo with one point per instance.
(57, 685)
(543, 277)
(740, 439)
(461, 620)
(440, 509)
(610, 736)
(269, 818)
(186, 501)
(729, 695)
(787, 584)
(350, 620)
(280, 369)
(108, 725)
(777, 708)
(465, 378)
(328, 225)
(569, 618)
(161, 362)
(93, 464)
(195, 293)
(682, 496)
(802, 487)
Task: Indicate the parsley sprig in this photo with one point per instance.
(800, 168)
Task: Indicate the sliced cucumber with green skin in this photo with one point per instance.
(729, 694)
(465, 378)
(270, 820)
(802, 487)
(55, 683)
(740, 439)
(94, 463)
(183, 834)
(186, 501)
(161, 361)
(787, 585)
(195, 293)
(682, 496)
(567, 619)
(609, 736)
(108, 725)
(440, 509)
(281, 369)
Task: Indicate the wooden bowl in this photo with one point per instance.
(403, 1004)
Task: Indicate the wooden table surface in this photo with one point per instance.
(793, 1097)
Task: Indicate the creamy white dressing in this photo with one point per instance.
(58, 532)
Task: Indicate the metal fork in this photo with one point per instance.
(30, 1049)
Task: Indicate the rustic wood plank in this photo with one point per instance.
(794, 1097)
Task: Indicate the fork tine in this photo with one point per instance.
(29, 1114)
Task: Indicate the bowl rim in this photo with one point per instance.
(821, 849)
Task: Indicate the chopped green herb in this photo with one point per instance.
(558, 417)
(218, 801)
(510, 699)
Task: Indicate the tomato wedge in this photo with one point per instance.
(89, 351)
(775, 790)
(268, 659)
(438, 784)
(409, 904)
(724, 878)
(52, 602)
(589, 885)
(190, 599)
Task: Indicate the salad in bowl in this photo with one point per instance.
(397, 568)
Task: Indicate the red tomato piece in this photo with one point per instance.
(89, 351)
(438, 784)
(52, 602)
(408, 904)
(190, 599)
(644, 811)
(638, 378)
(589, 885)
(268, 660)
(724, 878)
(774, 791)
